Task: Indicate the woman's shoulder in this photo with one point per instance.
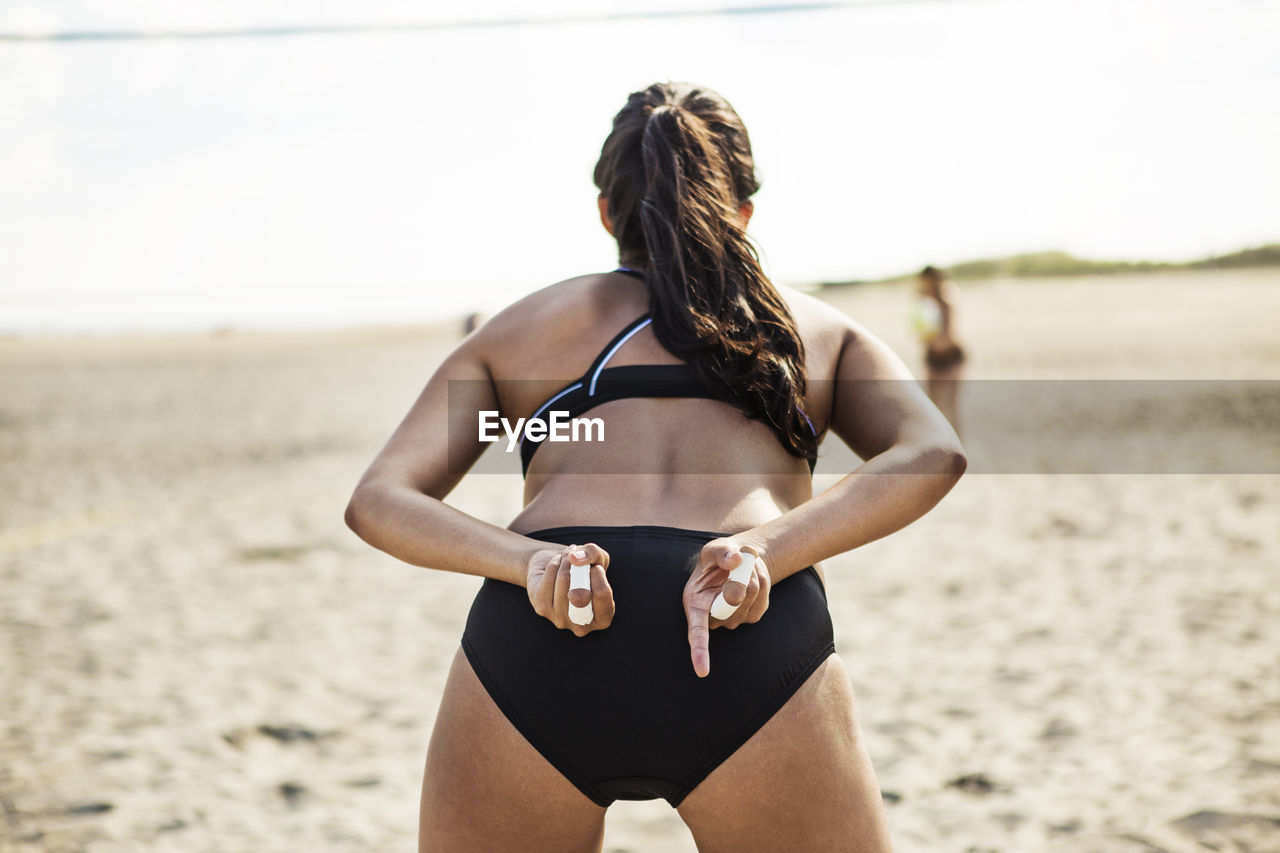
(567, 311)
(567, 295)
(818, 318)
(837, 345)
(827, 332)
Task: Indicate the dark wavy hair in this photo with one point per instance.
(676, 170)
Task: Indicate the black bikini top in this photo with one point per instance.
(601, 384)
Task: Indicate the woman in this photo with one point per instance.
(932, 317)
(592, 667)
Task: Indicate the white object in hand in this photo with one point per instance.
(580, 578)
(721, 609)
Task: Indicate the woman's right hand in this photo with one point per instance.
(547, 583)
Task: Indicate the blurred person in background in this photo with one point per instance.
(933, 320)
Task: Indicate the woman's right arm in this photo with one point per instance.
(398, 507)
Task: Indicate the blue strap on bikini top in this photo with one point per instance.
(601, 384)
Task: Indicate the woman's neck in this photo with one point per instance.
(633, 262)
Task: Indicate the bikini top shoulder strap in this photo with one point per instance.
(602, 358)
(592, 375)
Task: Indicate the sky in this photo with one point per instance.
(411, 175)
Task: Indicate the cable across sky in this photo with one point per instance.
(291, 30)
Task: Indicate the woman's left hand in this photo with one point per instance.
(710, 578)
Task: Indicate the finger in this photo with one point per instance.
(722, 609)
(734, 592)
(590, 555)
(580, 595)
(749, 595)
(699, 640)
(761, 602)
(579, 606)
(722, 548)
(560, 605)
(543, 594)
(744, 569)
(601, 598)
(705, 578)
(715, 554)
(735, 589)
(579, 575)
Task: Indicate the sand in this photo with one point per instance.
(196, 655)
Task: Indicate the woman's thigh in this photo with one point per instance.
(486, 788)
(803, 782)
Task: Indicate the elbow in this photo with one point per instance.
(947, 460)
(957, 462)
(357, 510)
(351, 515)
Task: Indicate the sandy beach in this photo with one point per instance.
(197, 655)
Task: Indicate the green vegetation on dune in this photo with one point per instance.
(1263, 256)
(1039, 264)
(1061, 263)
(1048, 263)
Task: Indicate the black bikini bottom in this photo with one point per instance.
(942, 359)
(620, 712)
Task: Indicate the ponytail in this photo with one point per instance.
(676, 171)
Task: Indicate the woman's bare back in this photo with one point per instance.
(697, 462)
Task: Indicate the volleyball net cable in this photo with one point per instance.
(294, 30)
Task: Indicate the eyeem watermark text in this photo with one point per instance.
(558, 426)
